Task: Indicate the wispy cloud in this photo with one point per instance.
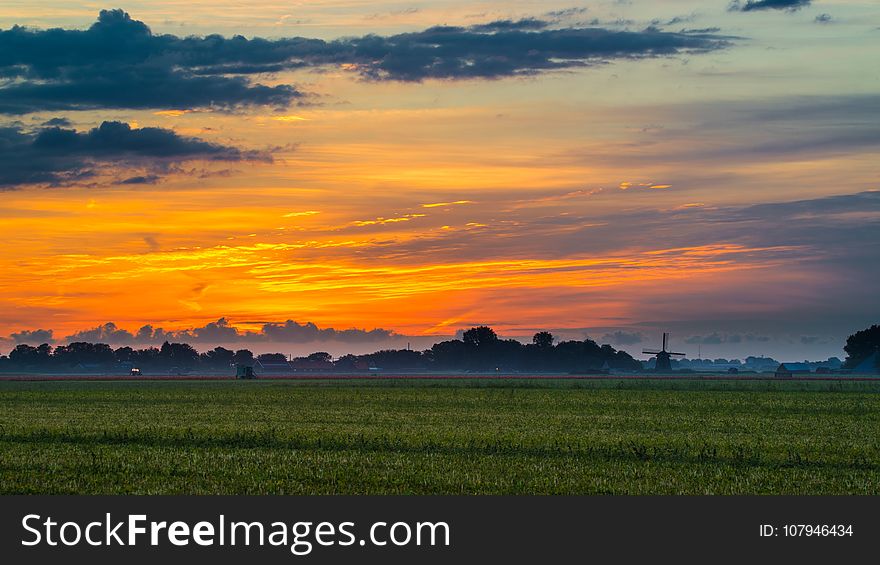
(444, 204)
(760, 5)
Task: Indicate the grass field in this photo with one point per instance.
(461, 437)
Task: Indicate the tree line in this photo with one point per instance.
(479, 349)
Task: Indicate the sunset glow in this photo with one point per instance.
(708, 186)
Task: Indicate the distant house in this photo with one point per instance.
(789, 369)
(870, 365)
(271, 367)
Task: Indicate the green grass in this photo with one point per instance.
(459, 437)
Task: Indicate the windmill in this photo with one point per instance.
(663, 365)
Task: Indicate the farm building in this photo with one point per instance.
(789, 369)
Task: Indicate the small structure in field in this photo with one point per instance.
(244, 372)
(789, 369)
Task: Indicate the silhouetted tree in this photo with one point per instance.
(24, 354)
(84, 353)
(480, 336)
(543, 340)
(148, 357)
(243, 357)
(178, 355)
(451, 354)
(858, 346)
(218, 358)
(346, 362)
(124, 354)
(320, 356)
(272, 358)
(397, 359)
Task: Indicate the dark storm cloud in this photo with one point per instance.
(754, 5)
(60, 156)
(119, 63)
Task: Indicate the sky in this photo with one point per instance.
(348, 175)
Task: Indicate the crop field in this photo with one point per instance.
(440, 437)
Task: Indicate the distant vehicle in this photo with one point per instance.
(135, 372)
(244, 372)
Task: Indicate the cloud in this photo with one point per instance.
(713, 339)
(36, 337)
(792, 128)
(490, 51)
(509, 25)
(57, 122)
(119, 63)
(107, 333)
(623, 338)
(567, 12)
(58, 156)
(716, 338)
(754, 5)
(219, 331)
(292, 332)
